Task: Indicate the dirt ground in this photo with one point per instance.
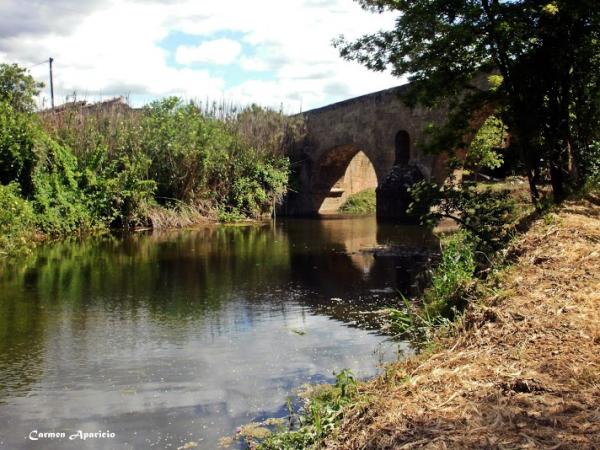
(523, 369)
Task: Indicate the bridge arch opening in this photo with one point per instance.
(402, 148)
(343, 171)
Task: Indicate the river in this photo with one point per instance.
(167, 338)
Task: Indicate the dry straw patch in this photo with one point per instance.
(524, 368)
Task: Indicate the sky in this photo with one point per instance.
(270, 52)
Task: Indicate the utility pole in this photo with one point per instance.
(51, 60)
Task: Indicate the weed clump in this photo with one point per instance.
(323, 409)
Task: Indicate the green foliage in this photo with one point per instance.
(363, 202)
(18, 88)
(589, 165)
(175, 154)
(446, 295)
(230, 216)
(413, 322)
(17, 132)
(114, 170)
(320, 416)
(451, 277)
(257, 186)
(484, 149)
(117, 190)
(16, 221)
(60, 205)
(195, 157)
(84, 168)
(487, 215)
(189, 151)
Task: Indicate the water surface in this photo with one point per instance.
(176, 337)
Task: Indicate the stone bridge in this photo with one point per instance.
(356, 144)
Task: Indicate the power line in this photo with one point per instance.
(37, 64)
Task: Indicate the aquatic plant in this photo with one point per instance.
(320, 415)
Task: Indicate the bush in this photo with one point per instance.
(17, 159)
(117, 190)
(189, 152)
(486, 215)
(16, 221)
(86, 167)
(60, 205)
(363, 202)
(257, 186)
(197, 158)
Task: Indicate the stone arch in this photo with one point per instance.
(402, 147)
(340, 172)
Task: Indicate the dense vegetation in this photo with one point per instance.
(84, 168)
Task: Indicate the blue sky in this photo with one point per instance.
(269, 52)
(231, 72)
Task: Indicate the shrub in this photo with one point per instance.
(197, 158)
(60, 205)
(17, 158)
(16, 221)
(487, 215)
(117, 190)
(190, 153)
(257, 186)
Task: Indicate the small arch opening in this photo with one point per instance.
(402, 148)
(343, 172)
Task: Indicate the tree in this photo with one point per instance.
(483, 150)
(18, 88)
(544, 57)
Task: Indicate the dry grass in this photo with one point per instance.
(182, 216)
(523, 370)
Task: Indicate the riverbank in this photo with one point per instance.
(87, 168)
(521, 369)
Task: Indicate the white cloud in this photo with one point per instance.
(281, 50)
(253, 64)
(219, 52)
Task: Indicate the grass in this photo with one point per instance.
(363, 202)
(451, 282)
